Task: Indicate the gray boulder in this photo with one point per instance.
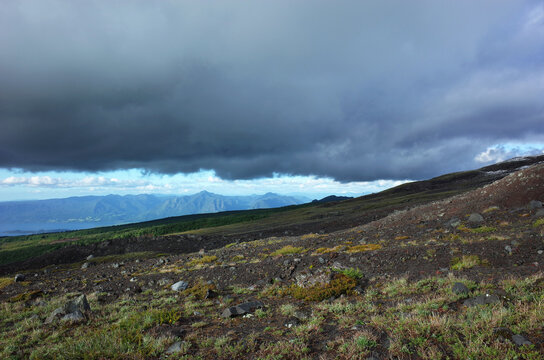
(534, 204)
(180, 286)
(481, 300)
(74, 311)
(475, 219)
(19, 278)
(242, 309)
(453, 222)
(520, 340)
(78, 304)
(74, 317)
(307, 279)
(539, 213)
(459, 288)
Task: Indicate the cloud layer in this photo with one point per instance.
(351, 90)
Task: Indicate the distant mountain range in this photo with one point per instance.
(25, 217)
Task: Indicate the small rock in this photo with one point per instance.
(58, 312)
(19, 278)
(540, 252)
(210, 294)
(321, 260)
(503, 333)
(307, 279)
(508, 249)
(76, 316)
(475, 218)
(85, 265)
(534, 204)
(539, 213)
(115, 265)
(481, 300)
(337, 265)
(90, 257)
(242, 309)
(301, 315)
(292, 321)
(180, 286)
(79, 304)
(174, 348)
(163, 282)
(453, 222)
(520, 340)
(459, 288)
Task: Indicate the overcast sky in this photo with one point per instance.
(340, 92)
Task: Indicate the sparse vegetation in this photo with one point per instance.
(465, 262)
(288, 250)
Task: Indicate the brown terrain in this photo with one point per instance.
(486, 236)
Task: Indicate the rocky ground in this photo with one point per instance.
(459, 278)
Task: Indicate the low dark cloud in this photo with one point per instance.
(346, 89)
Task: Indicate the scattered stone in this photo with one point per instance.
(539, 213)
(459, 288)
(79, 304)
(301, 315)
(540, 252)
(337, 265)
(503, 333)
(72, 311)
(163, 282)
(534, 204)
(210, 294)
(90, 257)
(291, 321)
(321, 260)
(74, 317)
(180, 286)
(475, 219)
(242, 309)
(115, 265)
(520, 340)
(19, 278)
(174, 348)
(85, 265)
(307, 279)
(58, 312)
(508, 249)
(481, 300)
(453, 222)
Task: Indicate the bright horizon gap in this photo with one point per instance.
(18, 185)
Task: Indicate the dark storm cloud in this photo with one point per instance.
(347, 89)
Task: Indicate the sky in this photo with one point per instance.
(238, 97)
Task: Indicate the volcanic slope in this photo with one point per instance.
(417, 277)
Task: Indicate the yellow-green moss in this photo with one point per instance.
(465, 262)
(539, 222)
(206, 259)
(365, 247)
(340, 284)
(5, 282)
(288, 250)
(26, 296)
(199, 290)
